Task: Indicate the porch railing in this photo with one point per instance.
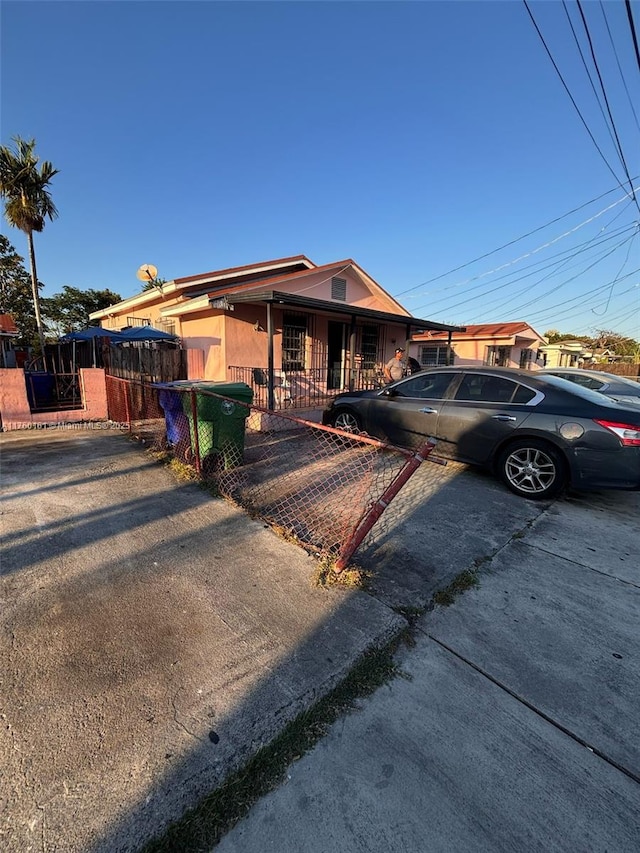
(303, 389)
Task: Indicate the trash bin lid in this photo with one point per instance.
(235, 390)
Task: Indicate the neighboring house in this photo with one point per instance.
(492, 344)
(8, 331)
(568, 353)
(311, 329)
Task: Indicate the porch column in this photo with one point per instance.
(271, 401)
(352, 354)
(449, 353)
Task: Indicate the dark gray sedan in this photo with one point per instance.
(537, 433)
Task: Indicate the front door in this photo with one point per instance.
(335, 354)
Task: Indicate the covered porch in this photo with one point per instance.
(314, 349)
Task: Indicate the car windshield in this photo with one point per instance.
(579, 390)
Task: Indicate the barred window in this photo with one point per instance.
(294, 339)
(435, 356)
(138, 321)
(368, 346)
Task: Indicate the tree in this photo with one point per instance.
(24, 188)
(154, 283)
(69, 311)
(16, 297)
(617, 343)
(553, 336)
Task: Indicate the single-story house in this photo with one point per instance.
(494, 344)
(572, 353)
(287, 327)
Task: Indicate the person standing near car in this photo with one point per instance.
(395, 368)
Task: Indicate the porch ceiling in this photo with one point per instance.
(324, 306)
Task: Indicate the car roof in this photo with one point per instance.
(611, 378)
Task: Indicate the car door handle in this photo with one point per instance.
(429, 411)
(503, 418)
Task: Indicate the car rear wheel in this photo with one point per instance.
(347, 421)
(532, 469)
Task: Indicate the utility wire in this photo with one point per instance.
(632, 27)
(590, 266)
(615, 53)
(536, 267)
(588, 73)
(557, 287)
(540, 248)
(606, 101)
(511, 242)
(562, 80)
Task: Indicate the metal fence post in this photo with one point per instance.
(196, 441)
(375, 511)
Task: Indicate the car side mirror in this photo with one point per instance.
(390, 392)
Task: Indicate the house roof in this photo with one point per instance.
(263, 282)
(488, 330)
(7, 325)
(177, 287)
(298, 262)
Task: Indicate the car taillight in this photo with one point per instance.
(628, 434)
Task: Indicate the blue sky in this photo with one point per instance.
(410, 136)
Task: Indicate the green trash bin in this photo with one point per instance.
(221, 423)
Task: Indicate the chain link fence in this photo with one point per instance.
(321, 487)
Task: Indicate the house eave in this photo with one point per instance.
(296, 301)
(136, 301)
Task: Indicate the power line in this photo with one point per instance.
(632, 27)
(539, 248)
(606, 101)
(536, 267)
(511, 242)
(615, 53)
(562, 80)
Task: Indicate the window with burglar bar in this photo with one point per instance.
(368, 346)
(294, 340)
(435, 356)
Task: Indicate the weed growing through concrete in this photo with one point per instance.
(465, 580)
(203, 826)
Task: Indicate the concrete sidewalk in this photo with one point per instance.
(517, 726)
(152, 639)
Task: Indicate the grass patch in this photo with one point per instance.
(462, 582)
(352, 578)
(202, 827)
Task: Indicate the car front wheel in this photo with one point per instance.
(532, 469)
(347, 421)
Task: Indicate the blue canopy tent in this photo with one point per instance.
(145, 333)
(90, 334)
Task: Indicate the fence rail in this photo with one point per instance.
(302, 389)
(320, 486)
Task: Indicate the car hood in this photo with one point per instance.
(355, 395)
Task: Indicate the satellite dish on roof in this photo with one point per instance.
(147, 272)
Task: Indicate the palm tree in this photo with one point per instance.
(24, 188)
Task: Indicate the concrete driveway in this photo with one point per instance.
(154, 638)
